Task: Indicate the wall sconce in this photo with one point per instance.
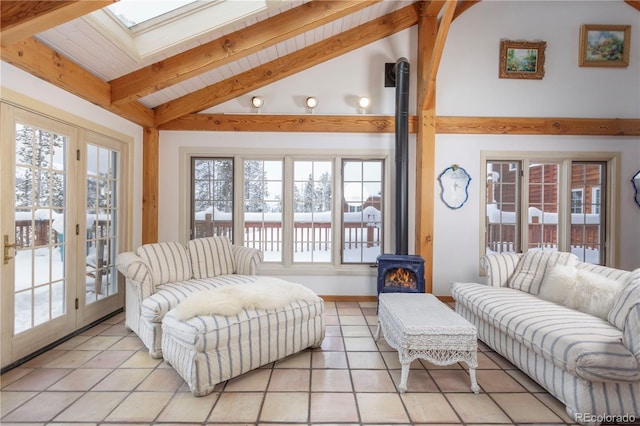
(363, 103)
(310, 103)
(257, 102)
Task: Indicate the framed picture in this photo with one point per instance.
(604, 45)
(522, 59)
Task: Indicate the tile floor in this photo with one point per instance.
(105, 376)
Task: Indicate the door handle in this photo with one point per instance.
(7, 246)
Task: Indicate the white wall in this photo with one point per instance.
(31, 87)
(468, 85)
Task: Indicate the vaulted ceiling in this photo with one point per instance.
(58, 41)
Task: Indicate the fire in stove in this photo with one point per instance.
(400, 277)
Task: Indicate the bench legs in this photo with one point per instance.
(435, 356)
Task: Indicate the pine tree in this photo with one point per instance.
(255, 190)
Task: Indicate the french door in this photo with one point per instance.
(60, 222)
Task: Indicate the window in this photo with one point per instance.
(576, 200)
(312, 197)
(546, 204)
(263, 207)
(212, 200)
(587, 232)
(362, 212)
(595, 200)
(320, 210)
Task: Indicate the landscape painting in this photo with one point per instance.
(521, 59)
(604, 45)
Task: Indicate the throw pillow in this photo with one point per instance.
(558, 284)
(593, 294)
(169, 262)
(211, 257)
(532, 267)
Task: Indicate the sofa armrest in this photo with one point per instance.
(247, 259)
(625, 313)
(499, 267)
(137, 272)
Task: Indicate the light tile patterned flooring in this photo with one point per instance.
(105, 376)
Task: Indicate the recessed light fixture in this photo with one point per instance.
(311, 102)
(257, 102)
(363, 103)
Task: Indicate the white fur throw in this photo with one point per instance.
(581, 290)
(265, 294)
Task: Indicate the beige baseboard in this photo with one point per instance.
(339, 298)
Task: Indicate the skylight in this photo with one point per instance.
(134, 12)
(143, 28)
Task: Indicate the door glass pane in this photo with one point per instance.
(263, 182)
(312, 211)
(212, 197)
(543, 206)
(587, 211)
(103, 176)
(503, 214)
(362, 210)
(39, 201)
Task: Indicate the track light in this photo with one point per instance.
(363, 103)
(257, 102)
(311, 102)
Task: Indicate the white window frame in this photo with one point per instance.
(579, 209)
(564, 159)
(287, 266)
(596, 193)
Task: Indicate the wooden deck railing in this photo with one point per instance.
(307, 236)
(502, 238)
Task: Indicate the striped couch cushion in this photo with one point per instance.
(167, 296)
(532, 266)
(499, 267)
(581, 344)
(169, 262)
(625, 313)
(211, 256)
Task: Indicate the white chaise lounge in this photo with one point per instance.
(160, 276)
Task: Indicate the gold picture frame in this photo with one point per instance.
(522, 59)
(604, 45)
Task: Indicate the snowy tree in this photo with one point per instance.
(213, 184)
(323, 193)
(255, 188)
(37, 184)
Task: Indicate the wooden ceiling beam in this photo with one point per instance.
(386, 124)
(463, 6)
(287, 65)
(20, 20)
(433, 7)
(539, 126)
(633, 3)
(231, 47)
(316, 123)
(37, 59)
(428, 90)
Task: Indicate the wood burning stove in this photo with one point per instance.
(401, 272)
(398, 273)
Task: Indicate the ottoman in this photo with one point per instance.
(208, 349)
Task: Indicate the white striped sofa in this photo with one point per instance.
(160, 276)
(589, 363)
